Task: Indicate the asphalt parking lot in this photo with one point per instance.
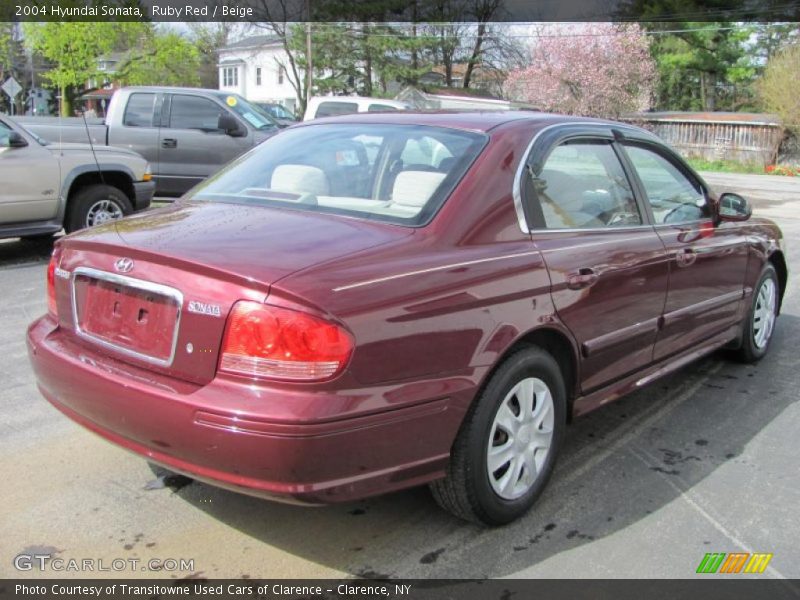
(702, 461)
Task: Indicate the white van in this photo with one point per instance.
(330, 106)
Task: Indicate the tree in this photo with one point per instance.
(600, 70)
(779, 88)
(158, 57)
(72, 48)
(209, 38)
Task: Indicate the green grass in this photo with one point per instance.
(725, 166)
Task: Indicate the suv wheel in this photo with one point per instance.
(95, 205)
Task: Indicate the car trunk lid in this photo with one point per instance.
(155, 290)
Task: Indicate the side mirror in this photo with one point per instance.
(230, 126)
(15, 140)
(733, 207)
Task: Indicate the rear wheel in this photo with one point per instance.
(507, 446)
(760, 323)
(95, 205)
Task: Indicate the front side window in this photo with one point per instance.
(582, 185)
(355, 170)
(673, 197)
(381, 108)
(194, 112)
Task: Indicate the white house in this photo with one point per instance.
(256, 68)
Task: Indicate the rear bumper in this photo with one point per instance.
(197, 430)
(142, 194)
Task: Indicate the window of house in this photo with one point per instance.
(280, 75)
(230, 76)
(582, 185)
(258, 75)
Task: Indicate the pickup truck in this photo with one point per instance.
(49, 186)
(186, 134)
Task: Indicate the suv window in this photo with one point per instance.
(193, 112)
(583, 185)
(673, 197)
(381, 108)
(331, 109)
(139, 110)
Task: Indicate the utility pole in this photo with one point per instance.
(310, 64)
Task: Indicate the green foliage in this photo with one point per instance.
(160, 57)
(73, 49)
(779, 88)
(724, 166)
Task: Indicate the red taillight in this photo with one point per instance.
(278, 343)
(51, 282)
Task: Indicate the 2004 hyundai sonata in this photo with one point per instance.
(379, 301)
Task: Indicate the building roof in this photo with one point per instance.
(254, 41)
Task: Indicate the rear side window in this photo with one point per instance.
(582, 185)
(139, 110)
(193, 112)
(331, 109)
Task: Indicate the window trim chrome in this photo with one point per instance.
(138, 284)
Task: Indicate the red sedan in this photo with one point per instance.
(379, 301)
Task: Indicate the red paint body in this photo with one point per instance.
(432, 311)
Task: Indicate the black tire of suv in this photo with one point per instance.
(85, 198)
(466, 490)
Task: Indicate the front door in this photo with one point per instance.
(607, 265)
(31, 178)
(707, 263)
(191, 146)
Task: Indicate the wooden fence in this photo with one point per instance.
(740, 137)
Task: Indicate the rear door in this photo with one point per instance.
(707, 262)
(140, 124)
(191, 146)
(607, 265)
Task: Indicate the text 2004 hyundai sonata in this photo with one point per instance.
(374, 302)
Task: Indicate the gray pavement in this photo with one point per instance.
(702, 461)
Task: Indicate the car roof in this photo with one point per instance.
(478, 121)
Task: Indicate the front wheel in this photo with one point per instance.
(95, 205)
(760, 321)
(507, 446)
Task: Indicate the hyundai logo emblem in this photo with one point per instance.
(124, 265)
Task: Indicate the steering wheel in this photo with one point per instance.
(668, 218)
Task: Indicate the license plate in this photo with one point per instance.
(132, 316)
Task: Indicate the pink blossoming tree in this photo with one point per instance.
(598, 70)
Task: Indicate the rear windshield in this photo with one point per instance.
(396, 173)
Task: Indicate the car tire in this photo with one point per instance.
(759, 325)
(96, 204)
(503, 455)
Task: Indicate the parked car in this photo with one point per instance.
(330, 106)
(374, 302)
(47, 187)
(186, 133)
(279, 112)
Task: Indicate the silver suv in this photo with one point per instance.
(47, 186)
